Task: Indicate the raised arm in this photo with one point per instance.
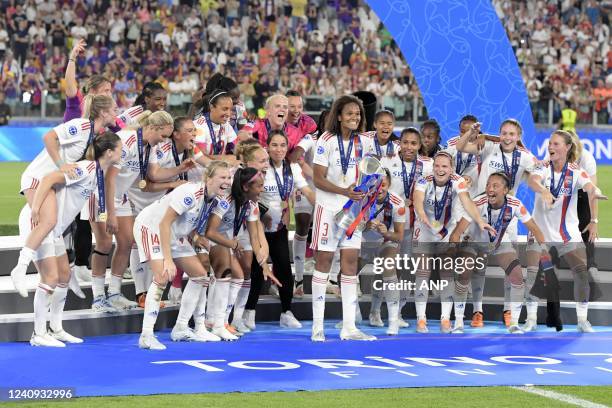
(70, 75)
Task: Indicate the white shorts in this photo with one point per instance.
(566, 248)
(243, 238)
(123, 208)
(371, 249)
(53, 245)
(149, 246)
(28, 182)
(424, 241)
(301, 205)
(324, 232)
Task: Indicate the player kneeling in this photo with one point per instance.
(500, 210)
(163, 242)
(381, 239)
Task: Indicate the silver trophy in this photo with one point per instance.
(370, 171)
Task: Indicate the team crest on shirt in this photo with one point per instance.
(323, 241)
(159, 154)
(320, 150)
(72, 130)
(156, 249)
(78, 172)
(188, 201)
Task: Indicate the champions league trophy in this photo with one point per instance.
(355, 214)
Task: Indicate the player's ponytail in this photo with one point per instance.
(242, 179)
(106, 141)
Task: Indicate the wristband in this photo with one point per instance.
(60, 163)
(594, 221)
(70, 59)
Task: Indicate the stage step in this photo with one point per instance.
(12, 302)
(19, 327)
(11, 245)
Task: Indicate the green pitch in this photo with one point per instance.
(485, 397)
(11, 202)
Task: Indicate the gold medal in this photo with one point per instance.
(436, 224)
(142, 184)
(102, 217)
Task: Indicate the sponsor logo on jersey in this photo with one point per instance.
(72, 130)
(499, 166)
(224, 204)
(188, 201)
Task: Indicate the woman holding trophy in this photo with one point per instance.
(337, 179)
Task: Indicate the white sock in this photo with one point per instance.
(115, 285)
(460, 300)
(421, 294)
(478, 283)
(151, 309)
(138, 273)
(582, 309)
(148, 274)
(189, 301)
(199, 314)
(319, 286)
(299, 256)
(97, 286)
(377, 298)
(42, 298)
(210, 308)
(349, 299)
(335, 268)
(219, 301)
(392, 298)
(507, 289)
(241, 299)
(235, 286)
(446, 307)
(58, 300)
(516, 296)
(25, 256)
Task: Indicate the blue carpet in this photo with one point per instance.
(271, 359)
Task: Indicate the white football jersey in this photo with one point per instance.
(514, 210)
(388, 212)
(226, 210)
(130, 115)
(492, 162)
(386, 153)
(224, 135)
(162, 156)
(400, 178)
(465, 164)
(186, 200)
(560, 223)
(327, 154)
(270, 196)
(72, 136)
(129, 167)
(435, 194)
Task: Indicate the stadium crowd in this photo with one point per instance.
(320, 50)
(564, 54)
